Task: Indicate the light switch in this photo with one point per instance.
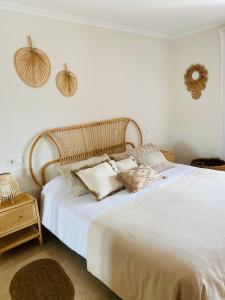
(12, 162)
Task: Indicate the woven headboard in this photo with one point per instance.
(79, 142)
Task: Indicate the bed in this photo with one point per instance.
(166, 241)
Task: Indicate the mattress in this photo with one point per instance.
(69, 217)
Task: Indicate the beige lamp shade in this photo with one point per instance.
(9, 187)
(66, 82)
(32, 65)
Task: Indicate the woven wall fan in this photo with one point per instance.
(32, 65)
(66, 82)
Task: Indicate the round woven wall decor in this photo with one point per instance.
(32, 65)
(196, 85)
(66, 82)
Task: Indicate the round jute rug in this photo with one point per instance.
(43, 279)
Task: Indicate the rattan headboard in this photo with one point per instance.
(79, 142)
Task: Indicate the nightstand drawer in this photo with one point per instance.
(20, 217)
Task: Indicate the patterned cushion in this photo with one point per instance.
(150, 155)
(138, 178)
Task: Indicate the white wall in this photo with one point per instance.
(119, 74)
(197, 123)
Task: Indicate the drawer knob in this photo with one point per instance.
(20, 217)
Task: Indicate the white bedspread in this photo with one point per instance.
(69, 217)
(168, 244)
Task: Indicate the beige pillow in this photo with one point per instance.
(124, 165)
(89, 162)
(119, 156)
(75, 184)
(138, 178)
(124, 155)
(101, 180)
(150, 155)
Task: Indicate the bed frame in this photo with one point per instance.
(79, 142)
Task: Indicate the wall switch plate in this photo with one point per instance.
(12, 162)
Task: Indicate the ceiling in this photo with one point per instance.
(162, 18)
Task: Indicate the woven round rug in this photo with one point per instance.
(43, 279)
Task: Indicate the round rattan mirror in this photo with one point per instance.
(66, 82)
(196, 77)
(32, 65)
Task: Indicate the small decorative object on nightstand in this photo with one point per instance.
(19, 222)
(169, 155)
(9, 187)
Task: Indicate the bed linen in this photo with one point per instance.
(69, 217)
(166, 244)
(76, 220)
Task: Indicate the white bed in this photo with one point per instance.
(165, 242)
(69, 217)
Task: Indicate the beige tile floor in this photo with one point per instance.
(86, 286)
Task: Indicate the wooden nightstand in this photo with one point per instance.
(169, 155)
(19, 222)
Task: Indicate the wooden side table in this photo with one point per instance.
(19, 222)
(169, 155)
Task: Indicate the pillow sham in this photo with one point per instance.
(74, 182)
(100, 179)
(138, 178)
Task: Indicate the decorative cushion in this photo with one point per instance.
(138, 178)
(150, 155)
(124, 165)
(101, 180)
(74, 182)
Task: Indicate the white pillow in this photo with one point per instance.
(100, 180)
(75, 184)
(124, 165)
